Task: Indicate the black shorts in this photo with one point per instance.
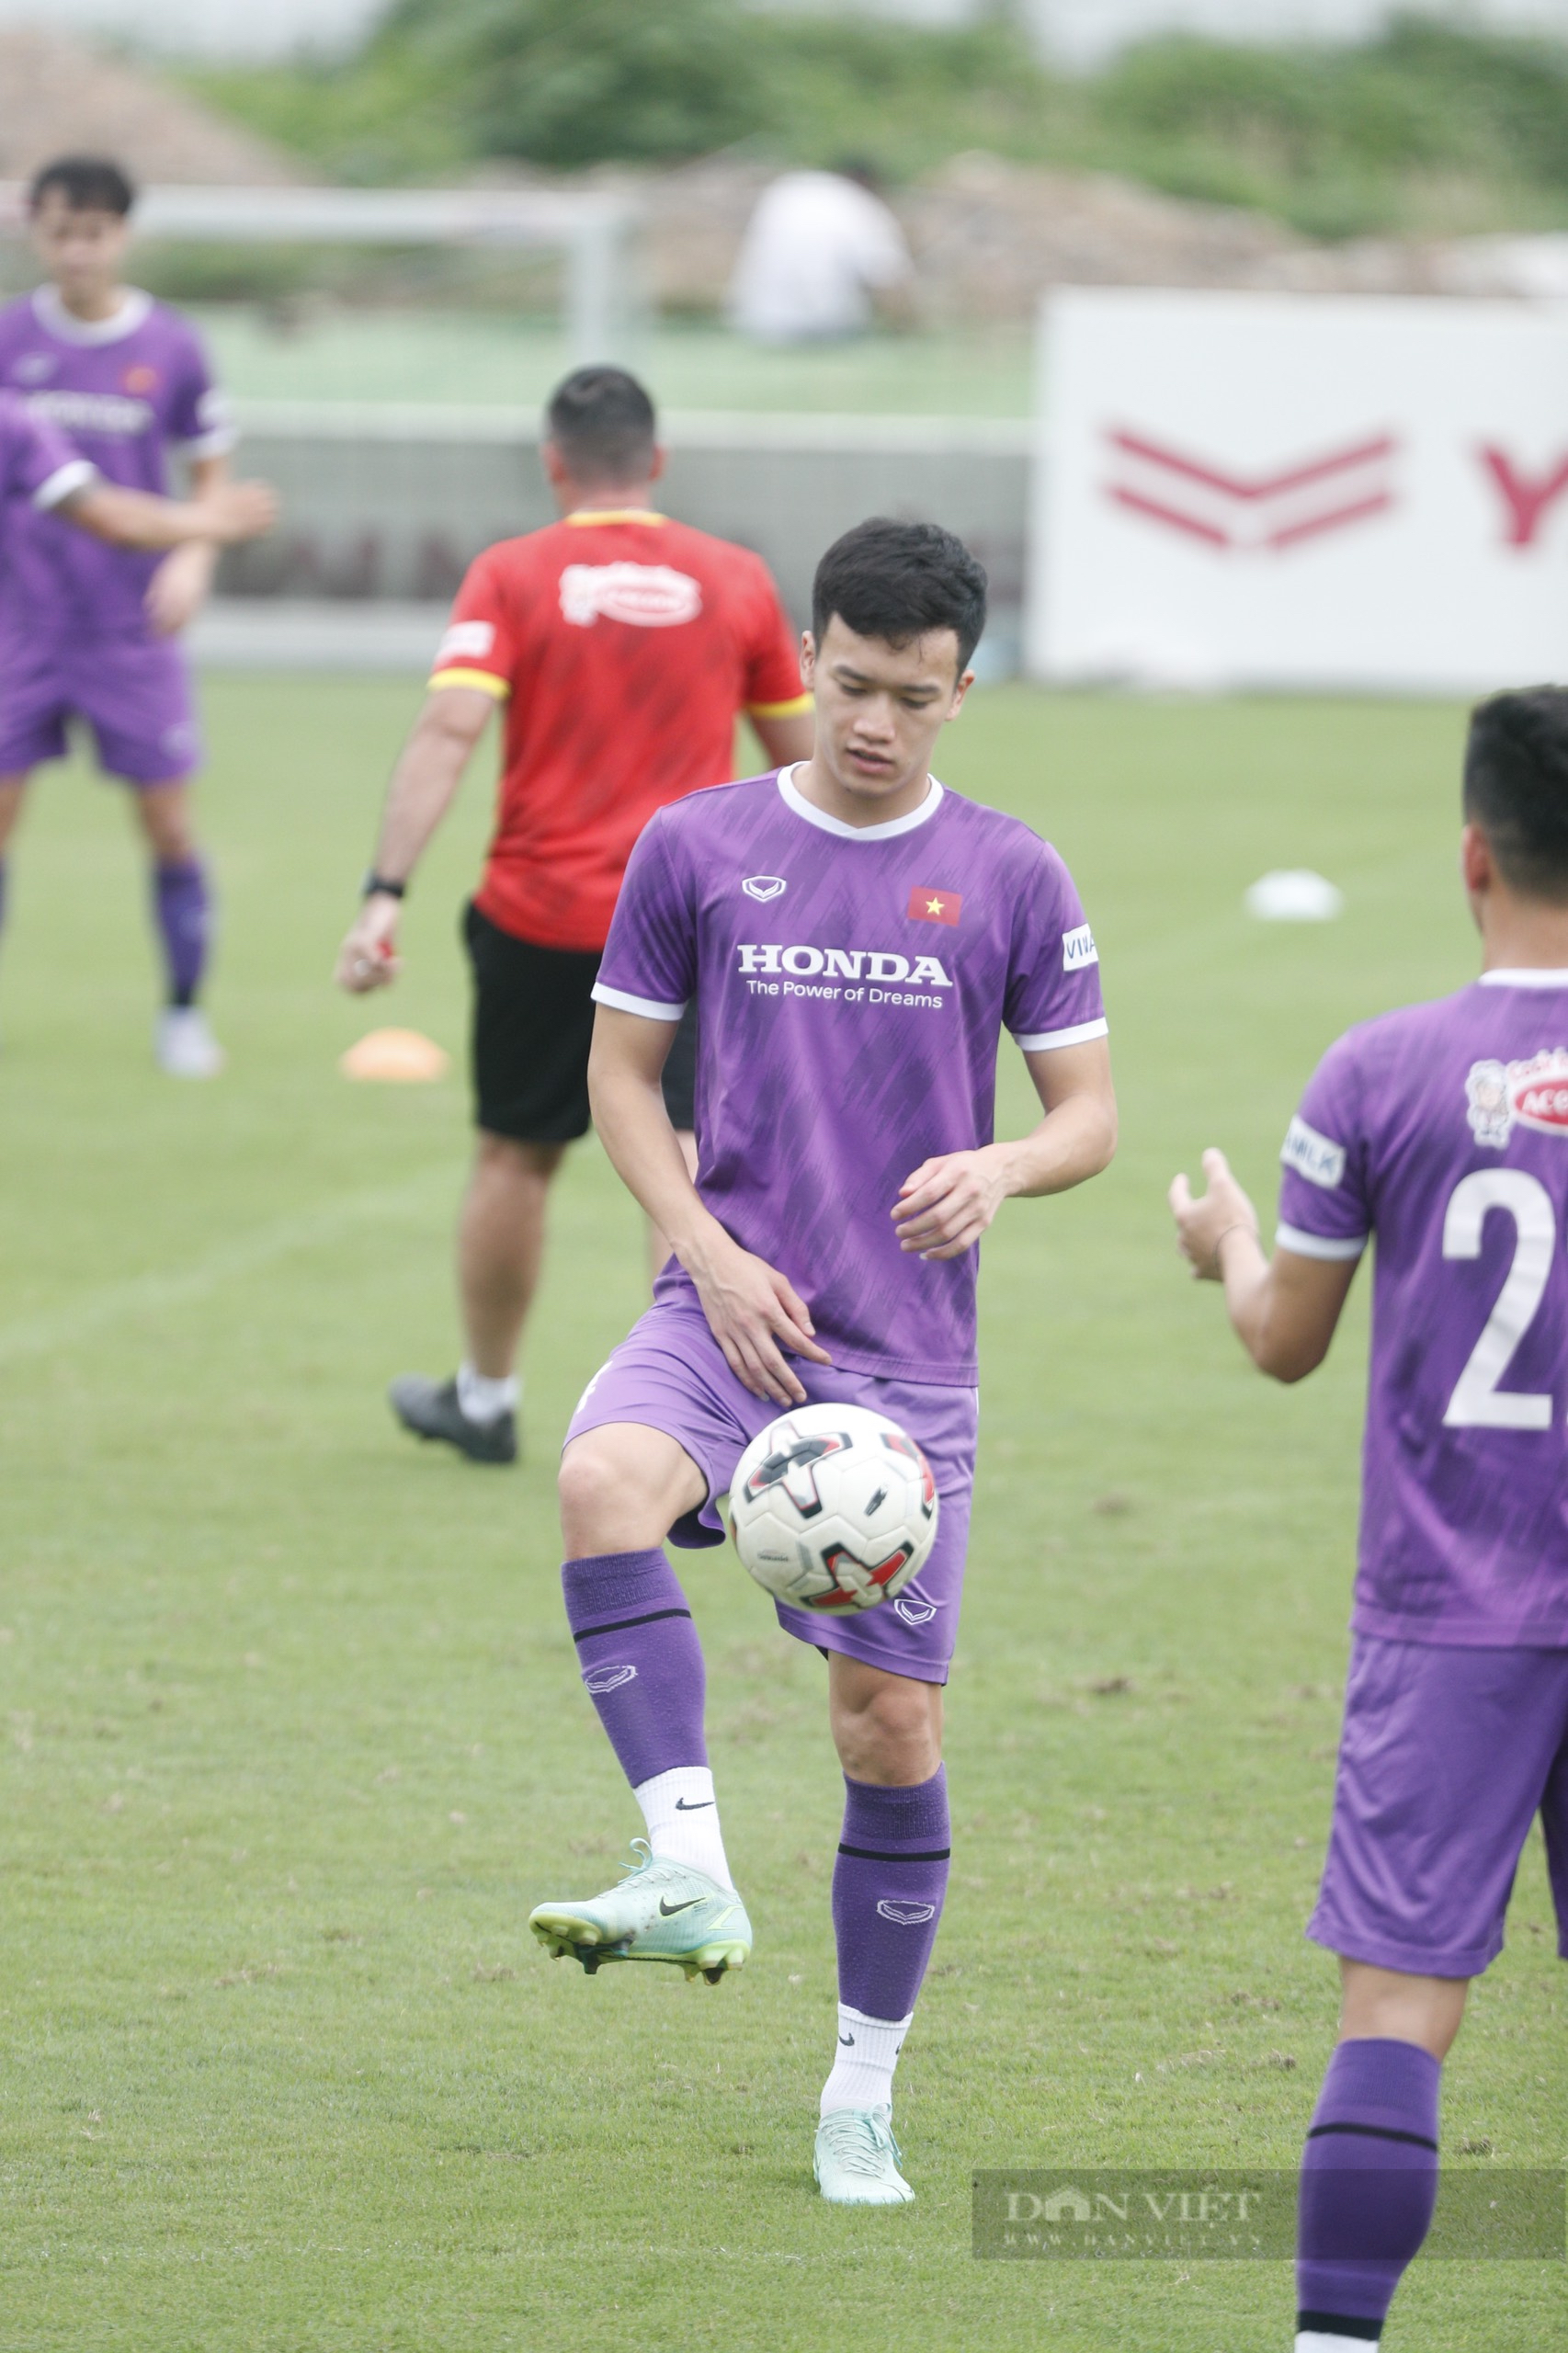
(533, 1023)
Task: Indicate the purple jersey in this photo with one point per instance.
(1443, 1129)
(851, 986)
(124, 390)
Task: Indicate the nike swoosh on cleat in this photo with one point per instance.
(669, 1910)
(682, 1807)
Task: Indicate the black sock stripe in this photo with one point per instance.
(620, 1625)
(1340, 2325)
(1375, 2133)
(881, 1854)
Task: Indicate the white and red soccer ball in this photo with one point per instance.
(832, 1508)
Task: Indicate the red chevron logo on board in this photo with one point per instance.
(1233, 512)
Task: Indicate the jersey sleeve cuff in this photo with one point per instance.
(1044, 1042)
(793, 708)
(485, 680)
(620, 1001)
(64, 482)
(219, 443)
(1319, 1245)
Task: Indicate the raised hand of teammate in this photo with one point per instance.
(1202, 1224)
(755, 1314)
(368, 959)
(946, 1205)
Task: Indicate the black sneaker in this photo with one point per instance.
(431, 1409)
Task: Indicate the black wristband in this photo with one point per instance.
(377, 885)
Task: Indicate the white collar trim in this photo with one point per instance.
(1529, 976)
(837, 826)
(51, 312)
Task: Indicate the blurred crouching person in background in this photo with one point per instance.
(822, 256)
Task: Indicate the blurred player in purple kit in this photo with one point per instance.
(1442, 1132)
(856, 938)
(89, 632)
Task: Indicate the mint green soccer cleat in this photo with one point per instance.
(857, 2160)
(661, 1911)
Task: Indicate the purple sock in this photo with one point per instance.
(182, 907)
(640, 1658)
(1368, 2184)
(888, 1886)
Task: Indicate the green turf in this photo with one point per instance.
(485, 357)
(292, 1735)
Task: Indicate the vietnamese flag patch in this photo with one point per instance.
(926, 905)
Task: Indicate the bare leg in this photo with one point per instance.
(658, 1244)
(886, 1728)
(163, 812)
(13, 790)
(501, 1245)
(1384, 2004)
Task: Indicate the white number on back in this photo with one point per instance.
(1477, 1402)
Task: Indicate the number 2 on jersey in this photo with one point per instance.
(1477, 1402)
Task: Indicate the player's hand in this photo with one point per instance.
(1202, 1226)
(946, 1205)
(238, 510)
(754, 1314)
(368, 959)
(178, 588)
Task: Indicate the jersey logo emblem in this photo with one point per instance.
(1533, 1094)
(647, 596)
(34, 367)
(929, 905)
(765, 887)
(139, 379)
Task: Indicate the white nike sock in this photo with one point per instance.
(484, 1400)
(868, 2053)
(683, 1820)
(1313, 2340)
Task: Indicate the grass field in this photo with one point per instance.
(292, 1736)
(468, 357)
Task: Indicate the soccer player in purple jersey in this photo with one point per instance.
(89, 632)
(1442, 1130)
(856, 938)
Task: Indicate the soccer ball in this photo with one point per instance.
(834, 1507)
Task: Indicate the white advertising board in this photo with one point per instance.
(1259, 490)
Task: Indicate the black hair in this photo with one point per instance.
(603, 423)
(1516, 786)
(898, 580)
(88, 184)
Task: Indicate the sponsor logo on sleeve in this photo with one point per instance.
(645, 596)
(1078, 948)
(1317, 1158)
(1501, 1096)
(466, 642)
(765, 887)
(928, 905)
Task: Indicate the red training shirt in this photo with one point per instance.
(624, 645)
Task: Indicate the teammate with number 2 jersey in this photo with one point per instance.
(1442, 1132)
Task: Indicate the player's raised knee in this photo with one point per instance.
(620, 1487)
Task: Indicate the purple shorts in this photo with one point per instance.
(133, 693)
(669, 1373)
(1446, 1757)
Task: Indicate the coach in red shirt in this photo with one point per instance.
(624, 646)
